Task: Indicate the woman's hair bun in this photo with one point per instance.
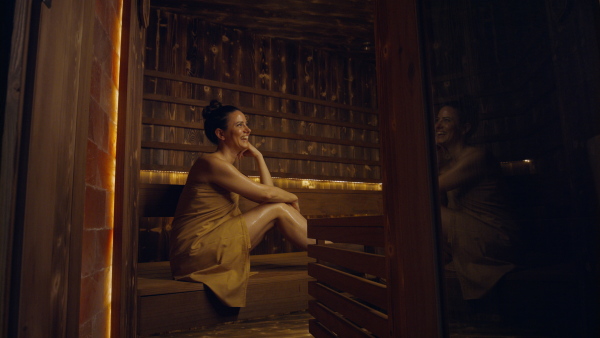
(212, 107)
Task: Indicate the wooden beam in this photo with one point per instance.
(355, 311)
(368, 291)
(256, 91)
(11, 172)
(409, 181)
(336, 323)
(319, 331)
(340, 25)
(269, 154)
(261, 112)
(354, 260)
(261, 132)
(51, 185)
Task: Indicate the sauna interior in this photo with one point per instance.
(305, 74)
(310, 99)
(101, 121)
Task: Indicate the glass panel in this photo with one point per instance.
(513, 87)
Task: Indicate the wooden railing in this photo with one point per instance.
(350, 295)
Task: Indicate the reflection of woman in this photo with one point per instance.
(211, 238)
(476, 222)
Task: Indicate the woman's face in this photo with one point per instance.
(447, 126)
(237, 132)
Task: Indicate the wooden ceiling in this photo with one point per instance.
(334, 24)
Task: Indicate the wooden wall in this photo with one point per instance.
(44, 140)
(312, 111)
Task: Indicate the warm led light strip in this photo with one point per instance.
(178, 177)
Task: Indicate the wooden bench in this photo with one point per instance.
(281, 285)
(158, 202)
(350, 292)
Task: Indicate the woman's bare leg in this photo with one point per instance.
(289, 221)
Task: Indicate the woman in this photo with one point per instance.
(211, 238)
(477, 226)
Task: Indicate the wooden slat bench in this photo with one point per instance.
(281, 285)
(350, 295)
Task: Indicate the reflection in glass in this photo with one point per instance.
(519, 208)
(479, 232)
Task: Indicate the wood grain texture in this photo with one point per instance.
(357, 312)
(125, 232)
(281, 286)
(354, 260)
(319, 331)
(361, 288)
(298, 106)
(335, 323)
(409, 199)
(346, 25)
(363, 230)
(54, 137)
(252, 88)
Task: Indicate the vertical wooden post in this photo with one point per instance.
(409, 203)
(124, 289)
(48, 104)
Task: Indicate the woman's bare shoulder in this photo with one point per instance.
(209, 165)
(203, 167)
(471, 153)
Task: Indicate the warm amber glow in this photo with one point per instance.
(177, 177)
(116, 59)
(522, 167)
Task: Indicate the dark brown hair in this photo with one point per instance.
(215, 117)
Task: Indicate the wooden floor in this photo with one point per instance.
(280, 286)
(295, 325)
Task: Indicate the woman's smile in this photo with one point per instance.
(238, 129)
(446, 125)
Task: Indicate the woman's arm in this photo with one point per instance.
(227, 176)
(467, 168)
(265, 175)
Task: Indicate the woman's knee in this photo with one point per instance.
(271, 211)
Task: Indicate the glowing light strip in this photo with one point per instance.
(370, 184)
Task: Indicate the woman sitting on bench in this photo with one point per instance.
(477, 222)
(211, 238)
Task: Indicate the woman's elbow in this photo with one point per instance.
(266, 195)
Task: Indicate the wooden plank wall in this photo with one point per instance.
(312, 111)
(125, 235)
(51, 103)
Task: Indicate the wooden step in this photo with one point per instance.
(280, 286)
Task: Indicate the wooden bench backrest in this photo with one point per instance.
(158, 200)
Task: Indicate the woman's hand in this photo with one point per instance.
(250, 152)
(295, 205)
